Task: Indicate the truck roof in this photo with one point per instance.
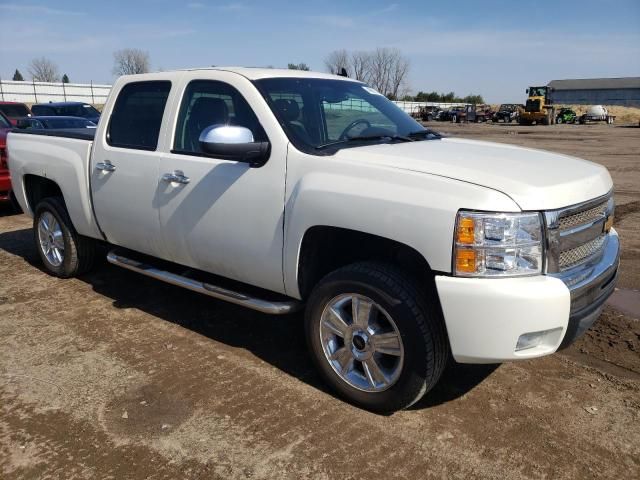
(254, 73)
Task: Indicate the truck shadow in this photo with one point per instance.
(278, 340)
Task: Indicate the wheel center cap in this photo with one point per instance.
(359, 342)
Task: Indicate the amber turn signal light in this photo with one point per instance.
(466, 261)
(466, 230)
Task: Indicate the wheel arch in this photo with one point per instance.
(324, 249)
(37, 188)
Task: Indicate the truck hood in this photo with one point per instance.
(534, 179)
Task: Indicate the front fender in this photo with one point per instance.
(412, 208)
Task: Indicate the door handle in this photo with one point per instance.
(177, 176)
(105, 166)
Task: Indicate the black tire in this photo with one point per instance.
(79, 251)
(417, 317)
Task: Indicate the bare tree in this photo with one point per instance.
(337, 60)
(385, 69)
(44, 70)
(398, 75)
(380, 70)
(130, 61)
(361, 64)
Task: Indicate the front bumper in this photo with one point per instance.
(485, 318)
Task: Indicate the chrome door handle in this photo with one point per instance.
(105, 166)
(177, 176)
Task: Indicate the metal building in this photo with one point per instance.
(597, 91)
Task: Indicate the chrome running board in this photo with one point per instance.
(264, 306)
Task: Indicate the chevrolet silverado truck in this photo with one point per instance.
(282, 190)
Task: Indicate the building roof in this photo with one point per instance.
(595, 83)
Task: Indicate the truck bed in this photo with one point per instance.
(61, 156)
(77, 133)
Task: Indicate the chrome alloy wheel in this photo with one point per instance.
(51, 239)
(361, 342)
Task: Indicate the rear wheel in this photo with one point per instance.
(374, 338)
(64, 252)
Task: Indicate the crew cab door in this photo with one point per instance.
(223, 216)
(124, 167)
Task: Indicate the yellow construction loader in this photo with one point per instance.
(539, 108)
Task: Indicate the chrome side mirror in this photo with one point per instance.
(232, 142)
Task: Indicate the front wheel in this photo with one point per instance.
(64, 252)
(375, 338)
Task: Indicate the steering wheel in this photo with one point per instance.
(343, 135)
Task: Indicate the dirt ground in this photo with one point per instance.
(113, 375)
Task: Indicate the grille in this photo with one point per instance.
(569, 258)
(581, 218)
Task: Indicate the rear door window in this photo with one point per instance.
(137, 115)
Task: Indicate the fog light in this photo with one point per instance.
(547, 338)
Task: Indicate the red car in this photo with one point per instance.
(5, 180)
(14, 111)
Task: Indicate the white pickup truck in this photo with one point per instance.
(279, 189)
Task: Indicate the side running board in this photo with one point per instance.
(264, 306)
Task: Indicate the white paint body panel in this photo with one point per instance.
(534, 179)
(348, 191)
(229, 218)
(62, 160)
(485, 317)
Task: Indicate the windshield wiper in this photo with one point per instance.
(426, 133)
(365, 138)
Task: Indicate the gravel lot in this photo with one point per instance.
(113, 375)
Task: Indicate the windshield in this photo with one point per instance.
(537, 91)
(14, 110)
(315, 112)
(67, 123)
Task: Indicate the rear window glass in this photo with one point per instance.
(137, 115)
(14, 110)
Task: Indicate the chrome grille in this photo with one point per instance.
(580, 218)
(576, 234)
(574, 256)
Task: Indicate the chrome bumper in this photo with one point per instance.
(590, 285)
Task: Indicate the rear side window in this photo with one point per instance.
(137, 115)
(14, 110)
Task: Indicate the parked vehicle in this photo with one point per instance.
(597, 113)
(67, 109)
(507, 113)
(56, 123)
(484, 113)
(5, 180)
(14, 111)
(426, 113)
(454, 114)
(308, 190)
(539, 108)
(566, 115)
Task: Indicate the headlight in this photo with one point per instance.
(497, 244)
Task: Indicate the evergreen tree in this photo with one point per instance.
(18, 76)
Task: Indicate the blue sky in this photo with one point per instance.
(492, 47)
